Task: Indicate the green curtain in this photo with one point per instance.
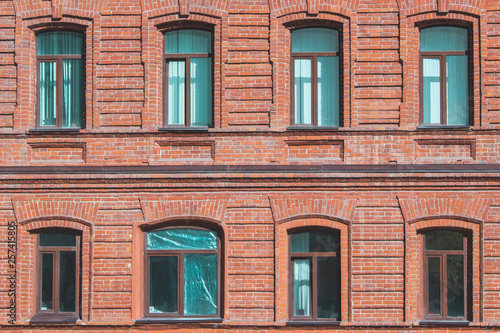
(328, 91)
(315, 40)
(444, 39)
(59, 43)
(201, 92)
(48, 93)
(73, 97)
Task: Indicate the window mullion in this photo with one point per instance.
(59, 93)
(180, 285)
(314, 89)
(55, 281)
(443, 81)
(314, 287)
(444, 286)
(187, 116)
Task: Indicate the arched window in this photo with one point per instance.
(183, 273)
(188, 78)
(445, 76)
(445, 275)
(316, 77)
(315, 275)
(61, 79)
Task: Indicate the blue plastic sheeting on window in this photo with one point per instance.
(182, 239)
(315, 40)
(60, 42)
(188, 41)
(200, 284)
(444, 39)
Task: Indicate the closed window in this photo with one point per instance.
(183, 272)
(445, 275)
(316, 77)
(58, 275)
(315, 276)
(445, 76)
(188, 78)
(61, 78)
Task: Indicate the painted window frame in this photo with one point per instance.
(58, 60)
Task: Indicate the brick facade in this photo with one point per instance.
(380, 179)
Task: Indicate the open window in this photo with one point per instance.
(183, 273)
(314, 269)
(188, 80)
(58, 272)
(61, 79)
(446, 275)
(445, 80)
(315, 71)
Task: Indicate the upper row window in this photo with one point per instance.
(60, 79)
(316, 98)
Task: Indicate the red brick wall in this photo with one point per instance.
(257, 179)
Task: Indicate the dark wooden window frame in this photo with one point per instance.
(442, 254)
(54, 314)
(180, 275)
(313, 256)
(313, 56)
(186, 57)
(441, 55)
(58, 59)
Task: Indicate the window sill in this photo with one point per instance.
(443, 127)
(159, 320)
(53, 130)
(184, 128)
(312, 128)
(51, 319)
(444, 323)
(313, 323)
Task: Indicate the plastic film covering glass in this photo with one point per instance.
(442, 240)
(328, 288)
(47, 281)
(163, 284)
(315, 241)
(432, 91)
(188, 41)
(48, 93)
(455, 285)
(328, 91)
(302, 287)
(201, 91)
(457, 90)
(57, 239)
(444, 39)
(60, 43)
(176, 92)
(200, 284)
(315, 40)
(67, 281)
(303, 91)
(182, 239)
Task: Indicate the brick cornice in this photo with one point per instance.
(469, 209)
(170, 208)
(29, 210)
(286, 208)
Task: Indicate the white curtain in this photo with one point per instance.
(432, 91)
(303, 92)
(302, 287)
(176, 92)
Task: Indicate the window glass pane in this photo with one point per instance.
(328, 288)
(188, 41)
(315, 40)
(48, 93)
(301, 287)
(432, 91)
(455, 285)
(176, 92)
(57, 239)
(201, 91)
(60, 42)
(457, 87)
(328, 91)
(163, 284)
(182, 239)
(315, 241)
(47, 281)
(67, 281)
(303, 91)
(200, 284)
(443, 39)
(73, 96)
(434, 282)
(444, 240)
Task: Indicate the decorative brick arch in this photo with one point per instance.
(414, 269)
(282, 260)
(56, 9)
